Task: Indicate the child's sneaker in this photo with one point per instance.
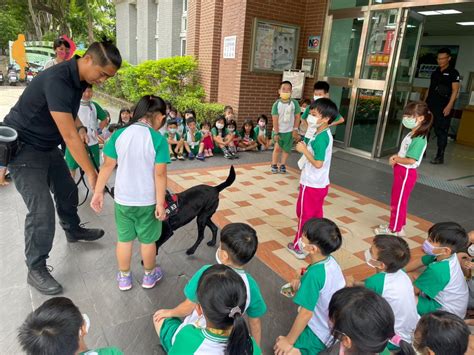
(180, 157)
(124, 280)
(227, 154)
(191, 155)
(206, 154)
(385, 230)
(275, 169)
(173, 158)
(200, 156)
(381, 227)
(150, 280)
(282, 169)
(299, 254)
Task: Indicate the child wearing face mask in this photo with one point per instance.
(208, 144)
(315, 165)
(442, 286)
(192, 140)
(304, 104)
(57, 327)
(308, 121)
(389, 255)
(238, 246)
(261, 132)
(175, 143)
(417, 118)
(222, 138)
(232, 128)
(142, 154)
(311, 332)
(286, 120)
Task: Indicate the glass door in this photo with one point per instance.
(401, 86)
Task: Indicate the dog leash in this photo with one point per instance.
(83, 180)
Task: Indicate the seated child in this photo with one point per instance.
(466, 258)
(389, 255)
(442, 285)
(361, 323)
(238, 246)
(232, 128)
(207, 139)
(261, 132)
(228, 113)
(310, 332)
(221, 299)
(175, 143)
(441, 332)
(192, 140)
(222, 139)
(248, 139)
(57, 327)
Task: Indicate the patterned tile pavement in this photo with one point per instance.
(267, 202)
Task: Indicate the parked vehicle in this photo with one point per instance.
(29, 77)
(1, 78)
(12, 76)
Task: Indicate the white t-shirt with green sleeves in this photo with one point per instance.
(103, 351)
(286, 112)
(137, 148)
(444, 282)
(311, 121)
(197, 341)
(397, 289)
(320, 147)
(320, 281)
(255, 306)
(260, 131)
(412, 148)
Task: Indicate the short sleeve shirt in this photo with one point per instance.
(175, 136)
(215, 132)
(441, 86)
(58, 89)
(103, 351)
(132, 188)
(413, 148)
(189, 137)
(320, 146)
(286, 112)
(259, 131)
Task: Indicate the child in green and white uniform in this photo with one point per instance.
(89, 113)
(175, 143)
(321, 89)
(238, 245)
(192, 140)
(389, 255)
(221, 299)
(442, 286)
(140, 186)
(311, 331)
(261, 132)
(286, 119)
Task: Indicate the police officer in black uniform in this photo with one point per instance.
(444, 88)
(45, 114)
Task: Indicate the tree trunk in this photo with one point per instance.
(35, 20)
(90, 27)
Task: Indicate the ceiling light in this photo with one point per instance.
(466, 23)
(449, 12)
(429, 13)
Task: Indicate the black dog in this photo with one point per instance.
(200, 202)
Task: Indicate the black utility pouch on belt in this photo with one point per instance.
(8, 144)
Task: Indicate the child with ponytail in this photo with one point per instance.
(221, 300)
(417, 118)
(140, 185)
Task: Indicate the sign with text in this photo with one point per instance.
(314, 43)
(229, 47)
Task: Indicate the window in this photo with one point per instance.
(185, 6)
(183, 46)
(184, 24)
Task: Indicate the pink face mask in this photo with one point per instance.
(61, 54)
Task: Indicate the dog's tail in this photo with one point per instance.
(229, 181)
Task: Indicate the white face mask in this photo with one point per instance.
(231, 129)
(317, 97)
(370, 260)
(219, 125)
(87, 321)
(217, 257)
(470, 250)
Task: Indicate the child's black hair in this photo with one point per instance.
(124, 109)
(252, 133)
(222, 295)
(323, 233)
(364, 316)
(263, 117)
(449, 234)
(393, 251)
(104, 53)
(190, 120)
(305, 102)
(147, 106)
(443, 332)
(240, 241)
(286, 82)
(190, 111)
(326, 108)
(58, 42)
(321, 85)
(206, 123)
(113, 127)
(228, 107)
(53, 328)
(174, 110)
(172, 122)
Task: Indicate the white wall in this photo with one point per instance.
(464, 62)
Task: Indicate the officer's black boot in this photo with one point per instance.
(41, 279)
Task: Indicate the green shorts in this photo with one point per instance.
(285, 142)
(426, 305)
(195, 150)
(71, 163)
(308, 343)
(137, 221)
(168, 329)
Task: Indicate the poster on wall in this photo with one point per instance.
(274, 46)
(427, 62)
(229, 47)
(314, 43)
(296, 78)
